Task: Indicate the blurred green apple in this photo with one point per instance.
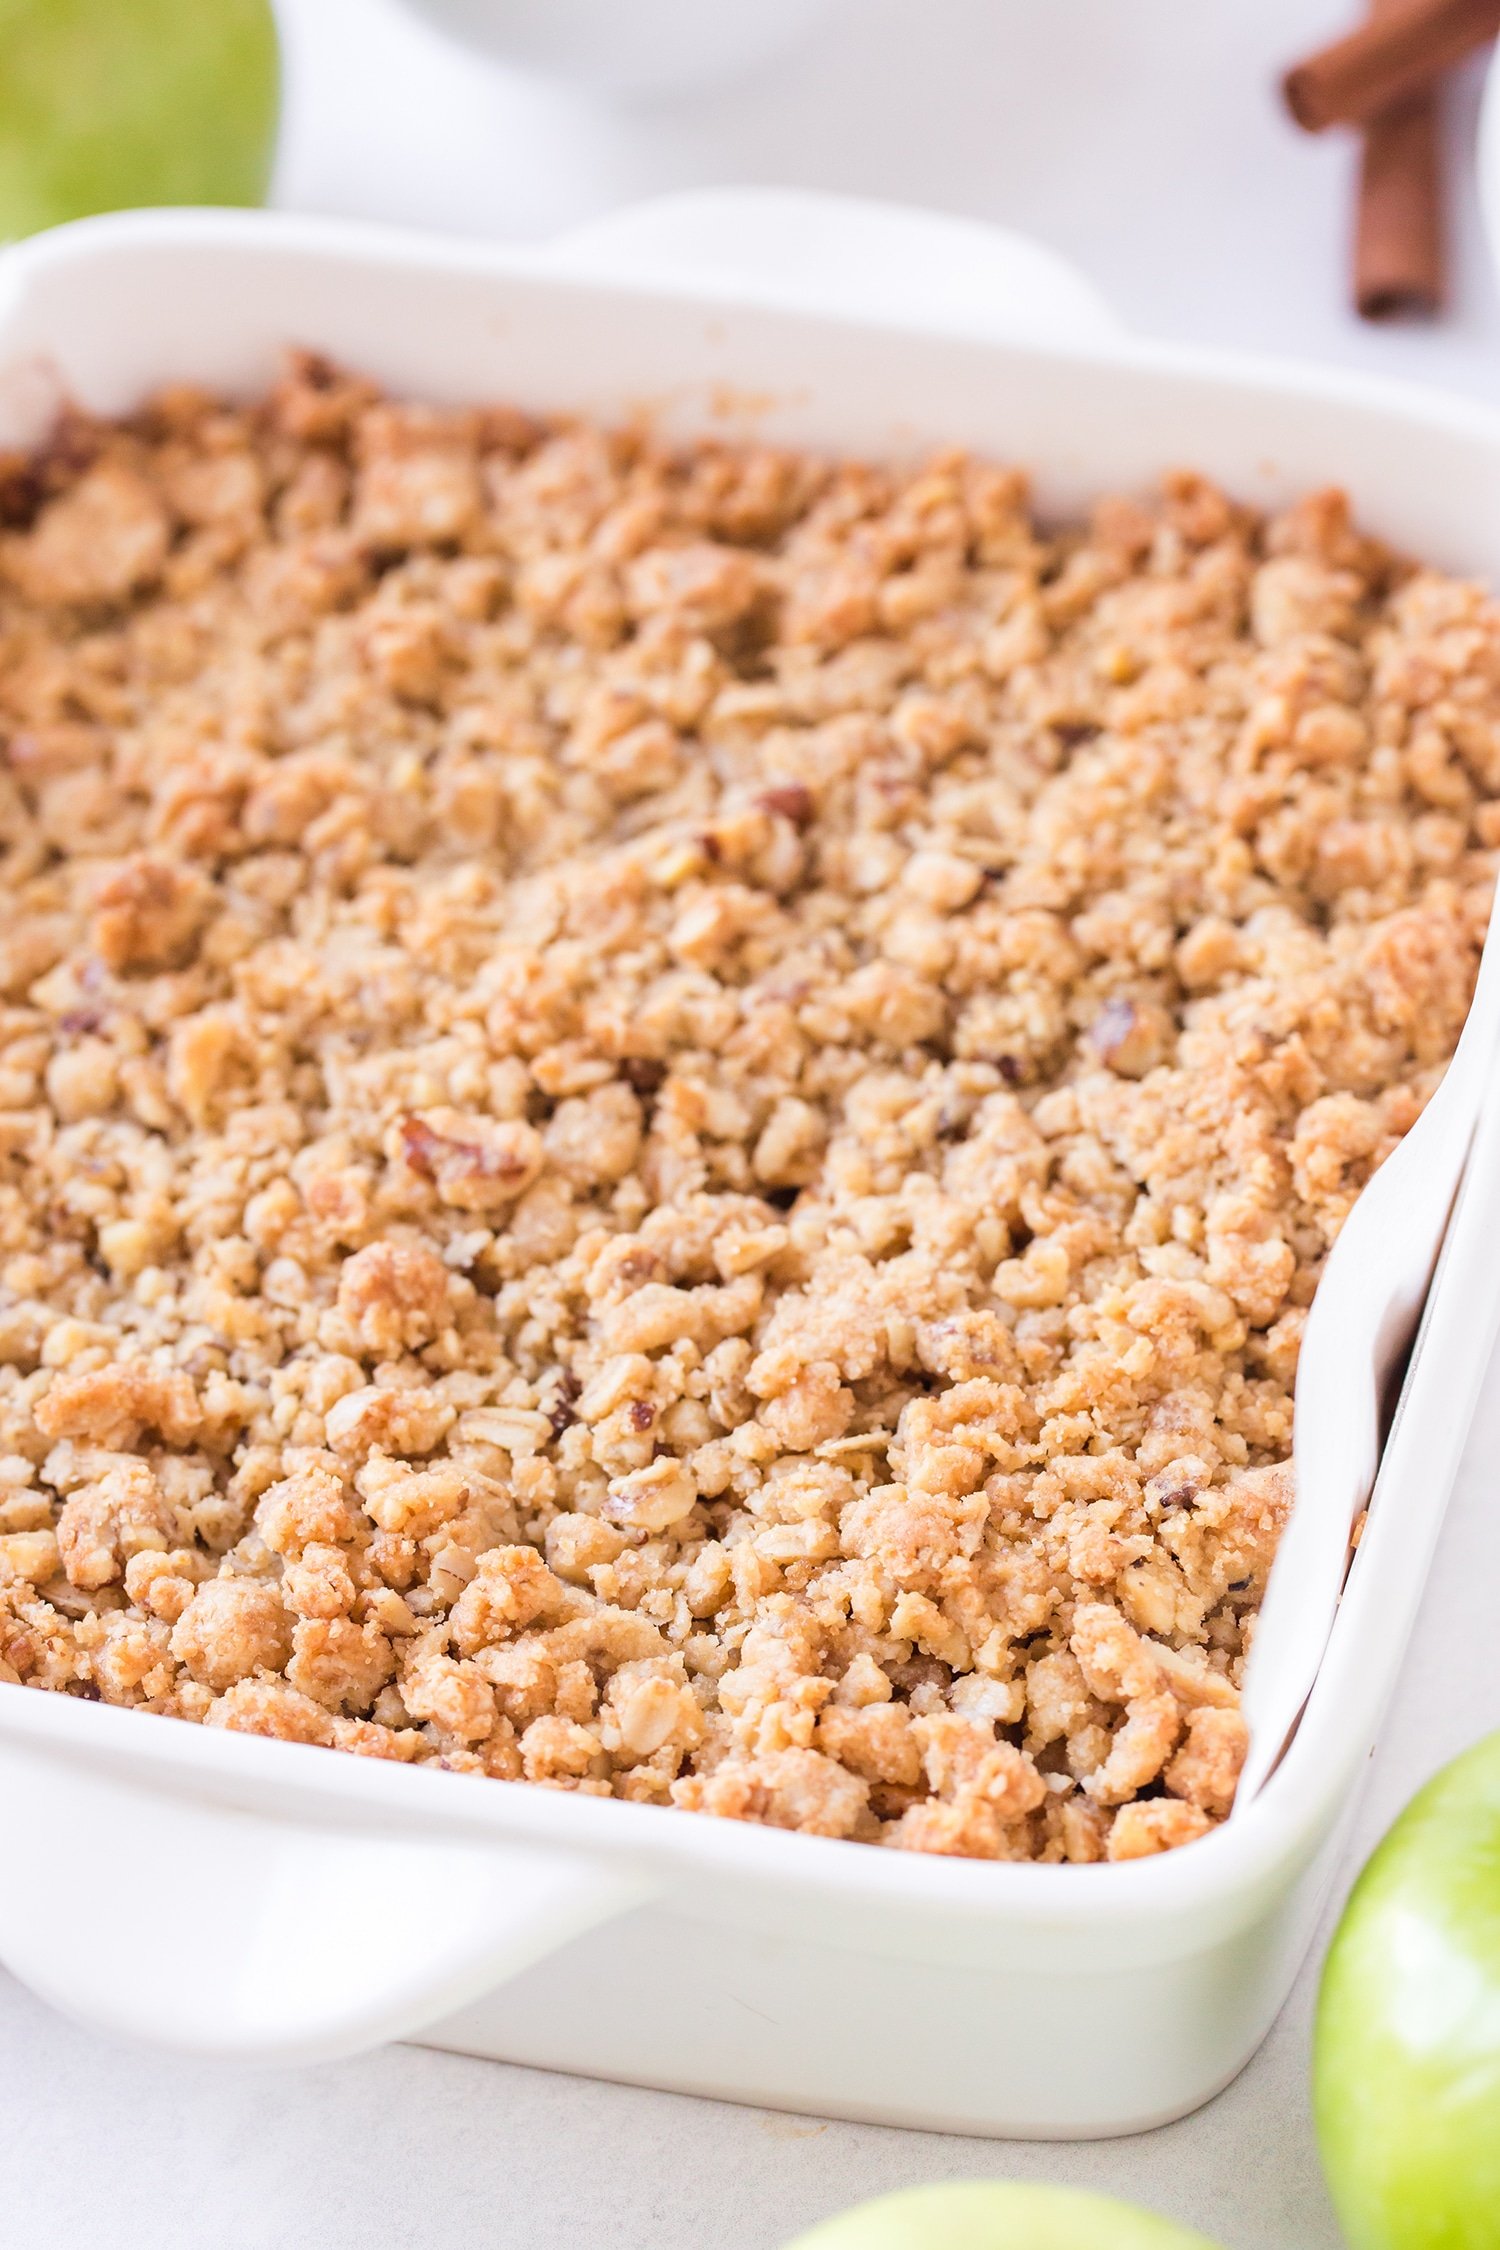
(1406, 2064)
(110, 103)
(997, 2215)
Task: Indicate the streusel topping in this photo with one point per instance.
(668, 1116)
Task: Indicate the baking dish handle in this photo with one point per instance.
(157, 1916)
(795, 250)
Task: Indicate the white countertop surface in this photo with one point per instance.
(1143, 141)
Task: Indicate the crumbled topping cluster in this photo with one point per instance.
(667, 1118)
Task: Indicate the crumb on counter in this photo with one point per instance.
(667, 1117)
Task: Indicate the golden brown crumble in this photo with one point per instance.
(668, 1117)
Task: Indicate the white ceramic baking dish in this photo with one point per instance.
(335, 1902)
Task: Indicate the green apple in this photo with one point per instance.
(1406, 2064)
(998, 2215)
(109, 103)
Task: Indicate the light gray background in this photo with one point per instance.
(1140, 137)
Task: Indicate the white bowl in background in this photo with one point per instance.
(1488, 156)
(629, 47)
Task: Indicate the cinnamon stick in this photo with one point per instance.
(1399, 250)
(1387, 60)
(1399, 259)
